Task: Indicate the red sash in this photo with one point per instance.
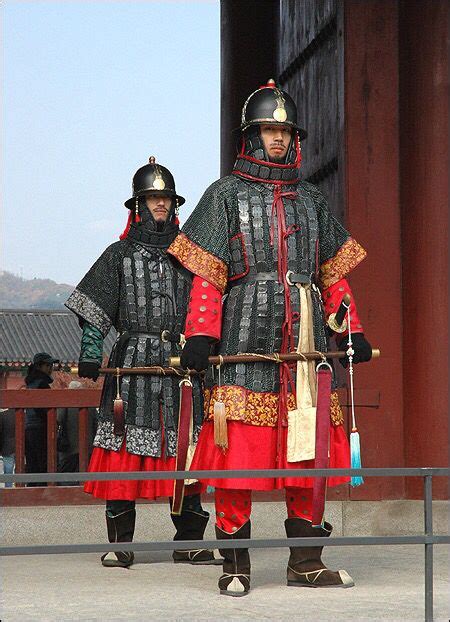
(322, 442)
(184, 419)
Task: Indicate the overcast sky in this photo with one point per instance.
(91, 89)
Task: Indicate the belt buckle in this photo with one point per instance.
(288, 278)
(300, 280)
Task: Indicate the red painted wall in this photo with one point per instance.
(373, 217)
(424, 166)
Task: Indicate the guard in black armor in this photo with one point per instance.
(141, 291)
(267, 243)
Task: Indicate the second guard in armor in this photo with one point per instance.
(139, 289)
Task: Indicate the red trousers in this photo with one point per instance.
(233, 507)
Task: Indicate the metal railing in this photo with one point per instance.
(428, 539)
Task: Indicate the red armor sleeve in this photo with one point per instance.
(204, 316)
(332, 297)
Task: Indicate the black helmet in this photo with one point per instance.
(269, 104)
(153, 178)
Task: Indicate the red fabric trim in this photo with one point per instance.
(204, 316)
(287, 342)
(299, 503)
(332, 298)
(199, 261)
(244, 252)
(125, 232)
(271, 181)
(255, 447)
(338, 267)
(233, 508)
(297, 164)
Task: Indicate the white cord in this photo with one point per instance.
(350, 352)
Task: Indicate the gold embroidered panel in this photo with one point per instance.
(336, 414)
(200, 262)
(348, 257)
(256, 408)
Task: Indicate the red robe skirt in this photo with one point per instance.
(255, 447)
(123, 461)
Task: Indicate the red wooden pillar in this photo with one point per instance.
(51, 443)
(20, 442)
(424, 200)
(373, 217)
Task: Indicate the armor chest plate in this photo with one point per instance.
(153, 292)
(251, 249)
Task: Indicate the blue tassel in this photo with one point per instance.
(355, 453)
(210, 489)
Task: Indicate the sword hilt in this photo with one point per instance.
(337, 321)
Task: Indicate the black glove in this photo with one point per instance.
(88, 369)
(362, 348)
(195, 353)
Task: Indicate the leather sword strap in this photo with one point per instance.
(184, 420)
(322, 442)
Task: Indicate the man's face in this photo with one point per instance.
(47, 368)
(159, 206)
(276, 139)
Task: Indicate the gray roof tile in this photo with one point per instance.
(24, 332)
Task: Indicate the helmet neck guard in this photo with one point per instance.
(253, 162)
(145, 230)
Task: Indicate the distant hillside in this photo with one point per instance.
(19, 293)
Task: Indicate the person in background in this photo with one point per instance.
(7, 440)
(68, 455)
(39, 377)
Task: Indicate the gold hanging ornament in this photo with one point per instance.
(220, 417)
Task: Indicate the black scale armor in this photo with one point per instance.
(137, 289)
(232, 221)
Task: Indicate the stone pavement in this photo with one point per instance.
(389, 586)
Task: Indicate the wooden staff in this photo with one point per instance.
(133, 371)
(247, 357)
(276, 357)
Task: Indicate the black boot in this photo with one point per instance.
(191, 525)
(235, 580)
(120, 529)
(305, 566)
